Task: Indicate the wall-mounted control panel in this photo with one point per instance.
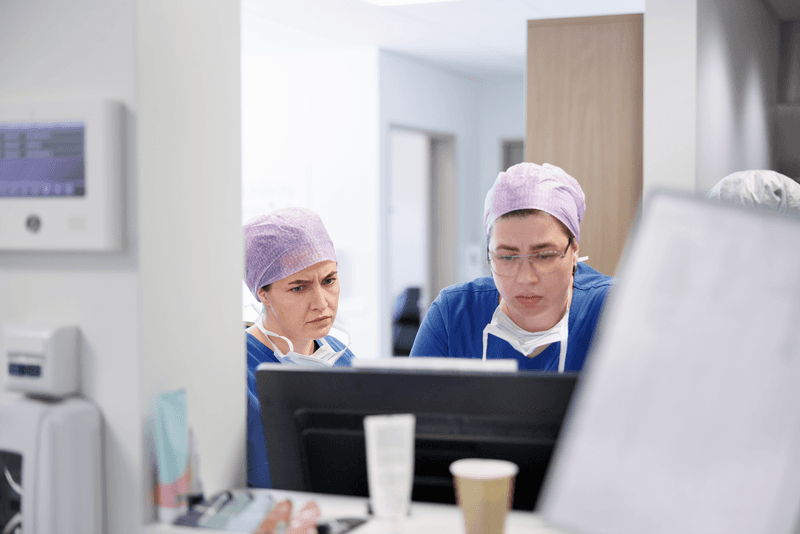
(60, 176)
(41, 360)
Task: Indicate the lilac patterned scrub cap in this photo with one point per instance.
(283, 243)
(529, 186)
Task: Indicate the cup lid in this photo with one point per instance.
(483, 468)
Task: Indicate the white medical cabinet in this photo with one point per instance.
(50, 438)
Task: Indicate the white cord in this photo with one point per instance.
(13, 523)
(16, 487)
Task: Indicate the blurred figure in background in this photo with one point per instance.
(767, 190)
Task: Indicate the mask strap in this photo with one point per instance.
(562, 356)
(260, 324)
(334, 354)
(349, 337)
(488, 328)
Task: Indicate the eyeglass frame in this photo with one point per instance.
(490, 255)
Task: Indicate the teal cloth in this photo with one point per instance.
(172, 436)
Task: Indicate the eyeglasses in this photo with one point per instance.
(544, 262)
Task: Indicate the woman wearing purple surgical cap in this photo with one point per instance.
(291, 269)
(541, 305)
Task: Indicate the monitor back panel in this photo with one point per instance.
(313, 423)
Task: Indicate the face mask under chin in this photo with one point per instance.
(324, 356)
(525, 342)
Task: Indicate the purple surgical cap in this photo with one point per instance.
(529, 186)
(283, 243)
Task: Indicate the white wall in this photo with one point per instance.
(165, 311)
(409, 221)
(501, 116)
(710, 86)
(478, 113)
(310, 138)
(737, 87)
(670, 95)
(481, 113)
(420, 96)
(88, 49)
(191, 251)
(417, 95)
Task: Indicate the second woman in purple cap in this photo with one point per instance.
(541, 305)
(290, 267)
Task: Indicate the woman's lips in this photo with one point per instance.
(529, 301)
(320, 320)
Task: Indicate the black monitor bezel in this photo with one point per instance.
(536, 400)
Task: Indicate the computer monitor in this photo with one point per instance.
(313, 423)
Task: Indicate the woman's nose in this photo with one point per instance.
(527, 272)
(318, 301)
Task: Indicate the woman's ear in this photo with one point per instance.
(575, 263)
(262, 296)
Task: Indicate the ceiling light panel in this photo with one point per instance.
(384, 3)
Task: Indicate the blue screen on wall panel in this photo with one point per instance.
(42, 160)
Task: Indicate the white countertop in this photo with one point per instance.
(424, 517)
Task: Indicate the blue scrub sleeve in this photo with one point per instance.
(432, 336)
(257, 461)
(257, 457)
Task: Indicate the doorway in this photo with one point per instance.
(421, 227)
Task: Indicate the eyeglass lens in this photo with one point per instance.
(508, 265)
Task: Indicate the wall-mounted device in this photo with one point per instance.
(41, 360)
(60, 176)
(50, 440)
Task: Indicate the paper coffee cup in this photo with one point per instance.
(484, 492)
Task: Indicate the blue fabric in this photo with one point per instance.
(257, 461)
(454, 323)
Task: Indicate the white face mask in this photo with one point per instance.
(324, 356)
(526, 342)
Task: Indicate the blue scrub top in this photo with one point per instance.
(257, 461)
(453, 326)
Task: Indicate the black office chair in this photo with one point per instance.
(405, 320)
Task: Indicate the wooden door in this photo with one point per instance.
(584, 114)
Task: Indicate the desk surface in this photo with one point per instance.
(424, 517)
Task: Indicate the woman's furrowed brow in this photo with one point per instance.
(300, 282)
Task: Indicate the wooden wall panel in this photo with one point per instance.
(584, 114)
